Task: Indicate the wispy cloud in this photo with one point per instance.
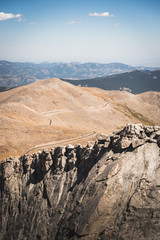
(20, 19)
(31, 23)
(117, 24)
(103, 14)
(6, 16)
(74, 22)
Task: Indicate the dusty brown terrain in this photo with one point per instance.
(52, 110)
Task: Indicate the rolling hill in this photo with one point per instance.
(135, 81)
(39, 115)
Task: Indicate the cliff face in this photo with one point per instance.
(109, 189)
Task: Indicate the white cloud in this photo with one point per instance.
(31, 23)
(117, 24)
(104, 14)
(20, 19)
(74, 22)
(6, 16)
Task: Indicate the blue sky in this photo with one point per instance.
(81, 30)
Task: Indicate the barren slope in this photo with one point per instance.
(52, 110)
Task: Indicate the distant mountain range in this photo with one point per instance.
(135, 81)
(15, 74)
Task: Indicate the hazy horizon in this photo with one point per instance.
(78, 62)
(99, 31)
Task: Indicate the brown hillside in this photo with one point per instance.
(52, 110)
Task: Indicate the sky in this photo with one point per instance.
(102, 31)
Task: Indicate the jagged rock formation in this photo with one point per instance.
(109, 189)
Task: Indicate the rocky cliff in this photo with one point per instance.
(109, 189)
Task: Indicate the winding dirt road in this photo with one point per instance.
(51, 144)
(54, 144)
(67, 110)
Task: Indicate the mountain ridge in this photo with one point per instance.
(136, 81)
(20, 73)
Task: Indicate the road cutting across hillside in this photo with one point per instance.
(92, 108)
(58, 143)
(68, 110)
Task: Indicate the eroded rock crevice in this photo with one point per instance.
(108, 189)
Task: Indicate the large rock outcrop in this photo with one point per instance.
(109, 189)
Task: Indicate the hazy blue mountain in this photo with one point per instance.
(112, 76)
(147, 68)
(135, 81)
(15, 74)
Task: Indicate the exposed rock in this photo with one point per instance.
(106, 144)
(157, 133)
(106, 190)
(137, 142)
(102, 138)
(125, 142)
(158, 141)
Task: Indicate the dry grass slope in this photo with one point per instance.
(52, 110)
